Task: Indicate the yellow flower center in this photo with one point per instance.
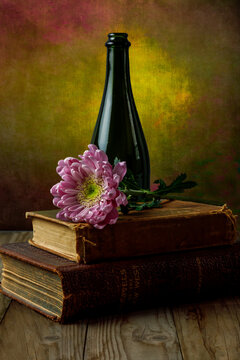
(90, 191)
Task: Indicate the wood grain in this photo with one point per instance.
(209, 330)
(7, 237)
(25, 334)
(14, 236)
(144, 335)
(4, 304)
(202, 331)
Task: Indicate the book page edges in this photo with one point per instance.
(59, 239)
(53, 251)
(86, 235)
(30, 305)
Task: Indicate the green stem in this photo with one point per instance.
(142, 192)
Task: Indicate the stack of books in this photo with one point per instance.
(67, 271)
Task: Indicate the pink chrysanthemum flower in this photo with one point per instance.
(89, 191)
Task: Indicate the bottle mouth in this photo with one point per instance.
(117, 39)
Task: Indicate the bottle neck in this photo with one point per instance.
(117, 67)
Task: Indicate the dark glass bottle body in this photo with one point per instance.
(118, 130)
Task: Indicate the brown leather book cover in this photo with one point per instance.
(131, 284)
(177, 225)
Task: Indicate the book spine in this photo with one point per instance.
(151, 281)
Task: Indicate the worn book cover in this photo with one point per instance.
(64, 290)
(176, 225)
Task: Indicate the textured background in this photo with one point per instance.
(186, 82)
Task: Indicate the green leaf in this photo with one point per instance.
(179, 179)
(116, 160)
(162, 184)
(129, 181)
(140, 207)
(139, 199)
(147, 205)
(177, 186)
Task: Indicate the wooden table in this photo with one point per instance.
(200, 331)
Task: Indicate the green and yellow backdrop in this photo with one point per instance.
(185, 75)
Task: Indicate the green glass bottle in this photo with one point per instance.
(118, 130)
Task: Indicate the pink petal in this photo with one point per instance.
(107, 170)
(60, 204)
(70, 200)
(69, 179)
(98, 172)
(121, 199)
(107, 207)
(61, 215)
(74, 166)
(54, 189)
(83, 212)
(88, 215)
(83, 172)
(65, 171)
(112, 193)
(112, 217)
(60, 166)
(100, 155)
(99, 226)
(61, 163)
(76, 207)
(56, 201)
(116, 180)
(94, 160)
(109, 194)
(75, 214)
(90, 163)
(90, 152)
(77, 176)
(108, 183)
(71, 191)
(93, 163)
(120, 169)
(92, 148)
(88, 170)
(69, 160)
(65, 185)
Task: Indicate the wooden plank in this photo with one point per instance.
(14, 236)
(7, 237)
(209, 330)
(4, 304)
(25, 334)
(149, 334)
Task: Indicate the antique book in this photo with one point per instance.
(177, 225)
(65, 291)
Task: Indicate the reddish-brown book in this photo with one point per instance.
(64, 290)
(177, 225)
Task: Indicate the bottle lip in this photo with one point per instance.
(118, 39)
